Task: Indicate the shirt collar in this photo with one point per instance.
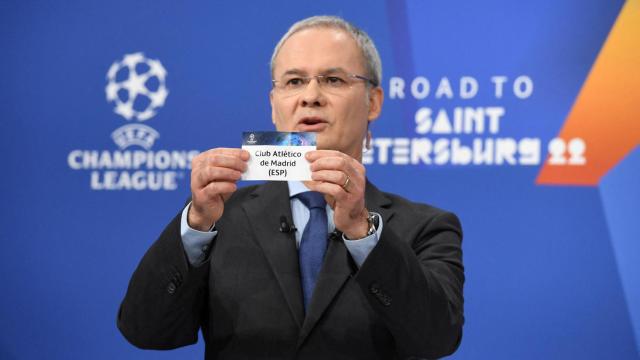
(296, 187)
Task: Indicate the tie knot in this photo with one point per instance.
(312, 199)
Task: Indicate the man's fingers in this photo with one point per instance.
(327, 188)
(334, 160)
(332, 163)
(206, 156)
(332, 176)
(213, 174)
(230, 151)
(225, 161)
(314, 155)
(239, 153)
(219, 188)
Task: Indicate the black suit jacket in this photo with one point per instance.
(405, 300)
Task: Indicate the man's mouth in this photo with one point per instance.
(311, 124)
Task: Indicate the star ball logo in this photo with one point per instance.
(144, 86)
(136, 86)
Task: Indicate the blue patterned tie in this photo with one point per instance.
(313, 244)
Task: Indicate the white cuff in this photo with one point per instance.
(360, 248)
(196, 243)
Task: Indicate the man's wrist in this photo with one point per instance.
(362, 230)
(196, 222)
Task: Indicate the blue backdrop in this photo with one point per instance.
(552, 271)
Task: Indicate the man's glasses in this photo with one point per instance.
(336, 83)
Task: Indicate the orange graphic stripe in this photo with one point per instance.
(606, 114)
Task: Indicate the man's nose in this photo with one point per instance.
(312, 94)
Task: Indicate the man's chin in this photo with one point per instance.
(324, 145)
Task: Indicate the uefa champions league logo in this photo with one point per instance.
(136, 85)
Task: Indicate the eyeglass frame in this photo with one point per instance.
(307, 80)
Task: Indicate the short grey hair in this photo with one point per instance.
(370, 54)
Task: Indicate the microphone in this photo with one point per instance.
(335, 235)
(285, 227)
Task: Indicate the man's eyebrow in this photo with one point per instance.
(294, 72)
(333, 70)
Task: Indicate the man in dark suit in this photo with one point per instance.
(273, 271)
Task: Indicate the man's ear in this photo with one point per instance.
(367, 140)
(376, 98)
(273, 111)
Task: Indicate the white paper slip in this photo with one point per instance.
(276, 155)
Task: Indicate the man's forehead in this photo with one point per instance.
(320, 49)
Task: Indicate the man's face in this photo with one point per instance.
(339, 118)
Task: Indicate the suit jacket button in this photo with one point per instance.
(171, 288)
(374, 288)
(384, 299)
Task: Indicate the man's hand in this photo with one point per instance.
(214, 174)
(342, 179)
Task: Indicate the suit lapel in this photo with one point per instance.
(338, 266)
(335, 271)
(264, 209)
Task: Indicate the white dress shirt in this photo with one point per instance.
(196, 243)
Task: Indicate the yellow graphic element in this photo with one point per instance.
(606, 114)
